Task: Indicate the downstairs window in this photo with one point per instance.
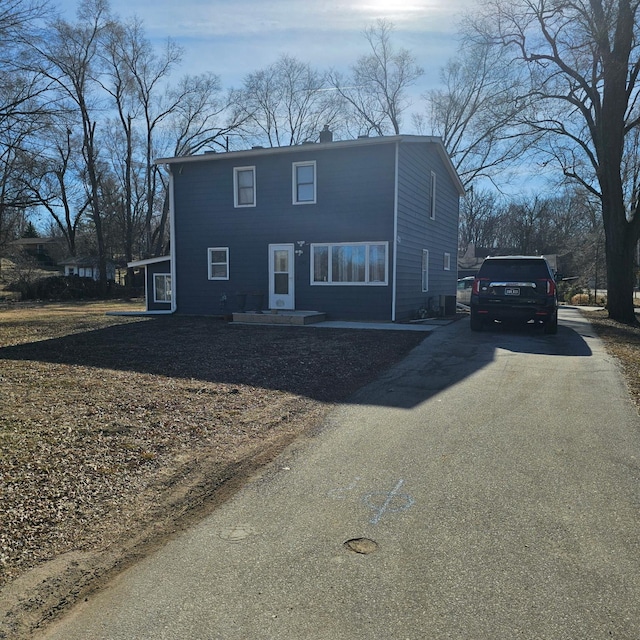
(362, 263)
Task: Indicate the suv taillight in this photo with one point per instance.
(476, 285)
(551, 287)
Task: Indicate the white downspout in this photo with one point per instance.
(395, 236)
(172, 242)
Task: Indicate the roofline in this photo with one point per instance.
(142, 263)
(33, 240)
(82, 261)
(519, 256)
(339, 144)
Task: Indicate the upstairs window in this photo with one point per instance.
(244, 186)
(304, 182)
(432, 200)
(447, 262)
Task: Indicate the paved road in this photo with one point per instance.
(496, 475)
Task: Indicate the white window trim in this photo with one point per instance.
(155, 288)
(447, 261)
(210, 250)
(236, 203)
(432, 199)
(294, 183)
(424, 271)
(366, 283)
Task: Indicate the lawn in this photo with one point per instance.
(116, 431)
(623, 342)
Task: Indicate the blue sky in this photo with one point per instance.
(232, 38)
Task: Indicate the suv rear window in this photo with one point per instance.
(516, 269)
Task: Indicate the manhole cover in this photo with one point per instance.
(361, 545)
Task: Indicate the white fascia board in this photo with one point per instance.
(144, 263)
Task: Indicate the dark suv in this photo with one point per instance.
(515, 288)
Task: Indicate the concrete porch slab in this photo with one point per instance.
(279, 317)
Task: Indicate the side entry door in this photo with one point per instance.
(281, 276)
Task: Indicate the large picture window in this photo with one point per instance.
(244, 186)
(363, 263)
(304, 182)
(162, 287)
(218, 263)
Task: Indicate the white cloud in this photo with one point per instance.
(235, 37)
(242, 17)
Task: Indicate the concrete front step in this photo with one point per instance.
(279, 317)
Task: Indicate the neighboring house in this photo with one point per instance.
(86, 267)
(41, 249)
(470, 261)
(364, 229)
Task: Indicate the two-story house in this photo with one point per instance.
(362, 229)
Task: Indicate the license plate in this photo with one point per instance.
(513, 291)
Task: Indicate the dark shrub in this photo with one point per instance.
(65, 288)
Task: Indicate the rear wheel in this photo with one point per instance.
(476, 321)
(551, 327)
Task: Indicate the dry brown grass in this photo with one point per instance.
(623, 342)
(116, 431)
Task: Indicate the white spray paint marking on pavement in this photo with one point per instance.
(393, 502)
(380, 502)
(340, 492)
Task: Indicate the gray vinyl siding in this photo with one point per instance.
(355, 203)
(417, 231)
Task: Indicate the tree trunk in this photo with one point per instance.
(620, 238)
(621, 233)
(96, 205)
(158, 249)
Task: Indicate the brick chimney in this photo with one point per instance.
(326, 135)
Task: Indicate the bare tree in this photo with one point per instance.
(529, 223)
(55, 182)
(478, 217)
(203, 118)
(20, 85)
(155, 117)
(22, 107)
(69, 59)
(135, 76)
(287, 103)
(14, 196)
(477, 113)
(567, 224)
(582, 56)
(139, 77)
(375, 92)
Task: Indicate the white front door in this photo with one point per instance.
(281, 289)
